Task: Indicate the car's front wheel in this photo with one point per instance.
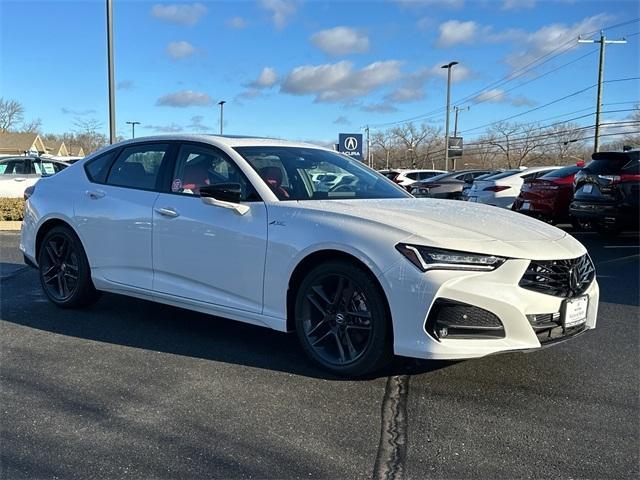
(64, 270)
(342, 320)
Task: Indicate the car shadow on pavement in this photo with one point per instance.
(147, 325)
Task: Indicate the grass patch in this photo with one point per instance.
(11, 209)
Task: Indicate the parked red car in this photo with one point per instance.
(548, 197)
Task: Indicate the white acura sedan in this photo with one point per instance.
(236, 227)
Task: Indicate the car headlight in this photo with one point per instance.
(428, 258)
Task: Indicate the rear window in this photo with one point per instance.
(608, 163)
(563, 172)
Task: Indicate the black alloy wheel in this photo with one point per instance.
(64, 270)
(342, 320)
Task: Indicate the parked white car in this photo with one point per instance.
(503, 188)
(18, 173)
(233, 227)
(408, 177)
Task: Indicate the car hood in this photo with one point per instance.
(458, 225)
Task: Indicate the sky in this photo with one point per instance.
(307, 70)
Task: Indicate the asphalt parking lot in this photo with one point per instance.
(131, 389)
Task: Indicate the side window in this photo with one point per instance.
(138, 167)
(98, 168)
(13, 167)
(529, 178)
(412, 176)
(198, 166)
(46, 168)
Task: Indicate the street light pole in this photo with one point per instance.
(112, 100)
(446, 127)
(133, 128)
(221, 103)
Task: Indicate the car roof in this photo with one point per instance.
(226, 140)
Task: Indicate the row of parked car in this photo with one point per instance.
(18, 173)
(601, 195)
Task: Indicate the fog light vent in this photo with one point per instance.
(451, 319)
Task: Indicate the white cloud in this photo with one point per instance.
(340, 81)
(342, 120)
(267, 79)
(452, 4)
(237, 22)
(197, 124)
(341, 41)
(185, 98)
(382, 107)
(459, 72)
(454, 32)
(497, 95)
(281, 10)
(550, 37)
(171, 128)
(180, 13)
(517, 4)
(180, 50)
(126, 85)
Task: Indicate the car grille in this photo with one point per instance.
(560, 278)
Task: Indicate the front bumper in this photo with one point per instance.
(413, 294)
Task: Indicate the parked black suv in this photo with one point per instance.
(607, 192)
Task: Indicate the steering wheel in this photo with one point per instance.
(341, 188)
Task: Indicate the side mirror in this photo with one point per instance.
(224, 195)
(227, 192)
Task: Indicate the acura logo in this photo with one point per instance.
(350, 143)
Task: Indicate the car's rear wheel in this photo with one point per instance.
(342, 319)
(64, 270)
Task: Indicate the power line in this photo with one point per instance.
(549, 103)
(511, 76)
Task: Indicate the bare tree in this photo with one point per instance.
(516, 141)
(563, 141)
(11, 114)
(87, 134)
(411, 138)
(383, 141)
(34, 126)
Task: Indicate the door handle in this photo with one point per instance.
(19, 179)
(95, 194)
(167, 212)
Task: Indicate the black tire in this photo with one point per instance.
(342, 320)
(64, 271)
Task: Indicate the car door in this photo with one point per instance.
(204, 252)
(14, 177)
(114, 212)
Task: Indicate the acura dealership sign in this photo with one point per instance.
(350, 144)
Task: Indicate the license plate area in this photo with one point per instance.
(575, 311)
(587, 188)
(526, 206)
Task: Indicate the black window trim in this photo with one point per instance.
(166, 182)
(168, 159)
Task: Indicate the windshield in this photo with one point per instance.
(295, 173)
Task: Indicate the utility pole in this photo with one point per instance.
(133, 128)
(446, 128)
(112, 99)
(368, 146)
(603, 41)
(221, 103)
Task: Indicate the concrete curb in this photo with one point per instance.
(10, 226)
